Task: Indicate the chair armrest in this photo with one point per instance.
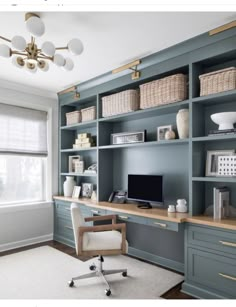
(101, 218)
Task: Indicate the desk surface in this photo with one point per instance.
(154, 213)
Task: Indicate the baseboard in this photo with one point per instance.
(168, 263)
(22, 243)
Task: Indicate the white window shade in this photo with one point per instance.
(23, 130)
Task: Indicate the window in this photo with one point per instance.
(23, 155)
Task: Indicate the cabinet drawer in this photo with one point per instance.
(212, 270)
(96, 211)
(128, 217)
(219, 240)
(63, 227)
(163, 224)
(63, 209)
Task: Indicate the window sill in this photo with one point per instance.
(25, 207)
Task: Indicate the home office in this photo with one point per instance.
(142, 174)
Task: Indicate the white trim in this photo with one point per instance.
(17, 244)
(25, 207)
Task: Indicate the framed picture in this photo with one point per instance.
(76, 192)
(73, 162)
(87, 190)
(212, 160)
(161, 131)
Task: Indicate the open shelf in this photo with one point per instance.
(78, 175)
(77, 149)
(213, 99)
(87, 124)
(215, 179)
(214, 138)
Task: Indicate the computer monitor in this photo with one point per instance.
(145, 189)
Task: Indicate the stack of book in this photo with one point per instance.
(222, 132)
(221, 202)
(84, 140)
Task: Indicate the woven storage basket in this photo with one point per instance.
(218, 81)
(73, 117)
(88, 114)
(123, 102)
(166, 90)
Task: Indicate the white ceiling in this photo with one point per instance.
(110, 40)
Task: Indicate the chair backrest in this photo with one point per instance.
(77, 221)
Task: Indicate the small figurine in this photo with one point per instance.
(170, 135)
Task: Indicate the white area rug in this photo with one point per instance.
(42, 273)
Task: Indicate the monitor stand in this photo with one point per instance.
(145, 205)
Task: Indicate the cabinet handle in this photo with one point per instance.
(68, 227)
(227, 276)
(160, 224)
(228, 243)
(95, 211)
(123, 217)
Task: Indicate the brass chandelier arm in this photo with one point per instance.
(42, 56)
(18, 53)
(61, 48)
(5, 39)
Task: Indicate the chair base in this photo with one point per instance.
(99, 272)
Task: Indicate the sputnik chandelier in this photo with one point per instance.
(29, 56)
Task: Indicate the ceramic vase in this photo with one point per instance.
(68, 186)
(182, 121)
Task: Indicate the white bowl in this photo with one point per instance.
(225, 120)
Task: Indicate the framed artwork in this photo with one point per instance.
(161, 131)
(76, 192)
(73, 161)
(212, 160)
(87, 190)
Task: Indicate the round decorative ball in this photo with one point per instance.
(170, 135)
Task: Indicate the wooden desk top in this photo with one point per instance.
(155, 213)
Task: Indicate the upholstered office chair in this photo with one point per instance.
(98, 241)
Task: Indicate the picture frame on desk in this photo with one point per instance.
(76, 192)
(87, 190)
(161, 131)
(212, 160)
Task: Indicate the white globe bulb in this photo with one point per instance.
(48, 48)
(18, 61)
(69, 64)
(43, 65)
(35, 26)
(58, 60)
(75, 46)
(18, 42)
(30, 67)
(5, 51)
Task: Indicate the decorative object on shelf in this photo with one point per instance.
(87, 190)
(123, 102)
(212, 160)
(171, 208)
(182, 121)
(220, 202)
(76, 192)
(181, 206)
(163, 91)
(29, 56)
(170, 135)
(73, 118)
(128, 137)
(79, 167)
(225, 120)
(227, 166)
(218, 81)
(91, 170)
(72, 163)
(161, 132)
(84, 140)
(68, 186)
(94, 196)
(88, 114)
(222, 132)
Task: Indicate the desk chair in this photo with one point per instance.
(98, 241)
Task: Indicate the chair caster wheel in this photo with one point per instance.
(92, 267)
(108, 292)
(71, 283)
(124, 274)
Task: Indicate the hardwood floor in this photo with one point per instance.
(174, 293)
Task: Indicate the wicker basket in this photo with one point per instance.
(123, 102)
(73, 117)
(218, 81)
(163, 91)
(88, 114)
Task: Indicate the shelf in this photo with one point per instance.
(215, 179)
(88, 124)
(218, 98)
(78, 175)
(215, 138)
(151, 112)
(146, 144)
(76, 150)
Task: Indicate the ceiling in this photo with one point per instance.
(110, 40)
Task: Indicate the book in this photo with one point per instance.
(225, 131)
(83, 140)
(220, 202)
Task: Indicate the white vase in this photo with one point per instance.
(182, 121)
(181, 205)
(68, 186)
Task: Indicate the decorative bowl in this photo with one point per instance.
(225, 120)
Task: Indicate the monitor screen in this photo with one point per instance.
(146, 188)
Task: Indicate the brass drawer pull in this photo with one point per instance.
(160, 224)
(123, 217)
(228, 243)
(95, 211)
(227, 276)
(68, 227)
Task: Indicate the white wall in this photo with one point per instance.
(27, 224)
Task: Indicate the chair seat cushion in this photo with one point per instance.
(103, 240)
